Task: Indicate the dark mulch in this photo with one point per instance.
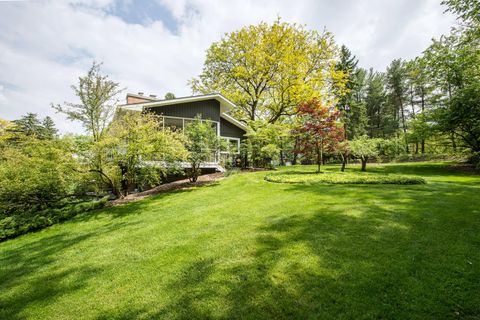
(176, 185)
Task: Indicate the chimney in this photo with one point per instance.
(140, 93)
(153, 96)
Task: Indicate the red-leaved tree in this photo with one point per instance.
(318, 130)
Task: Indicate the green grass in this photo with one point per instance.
(247, 248)
(334, 176)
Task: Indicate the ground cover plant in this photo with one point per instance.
(335, 177)
(247, 248)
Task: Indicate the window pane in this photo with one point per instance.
(173, 123)
(233, 146)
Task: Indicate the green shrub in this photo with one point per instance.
(342, 178)
(17, 224)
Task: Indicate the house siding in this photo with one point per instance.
(208, 109)
(228, 129)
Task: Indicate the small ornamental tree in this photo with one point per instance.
(364, 148)
(202, 144)
(319, 129)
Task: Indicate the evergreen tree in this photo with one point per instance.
(351, 102)
(49, 131)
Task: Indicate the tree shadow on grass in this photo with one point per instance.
(401, 261)
(139, 206)
(28, 275)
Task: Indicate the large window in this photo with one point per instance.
(176, 123)
(233, 145)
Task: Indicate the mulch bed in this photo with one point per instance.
(176, 185)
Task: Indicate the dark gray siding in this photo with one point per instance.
(230, 130)
(209, 109)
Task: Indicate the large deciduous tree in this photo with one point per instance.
(319, 129)
(268, 69)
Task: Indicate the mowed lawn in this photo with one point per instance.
(251, 249)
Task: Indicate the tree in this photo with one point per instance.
(264, 139)
(419, 90)
(35, 174)
(202, 144)
(169, 96)
(97, 102)
(364, 148)
(29, 125)
(268, 69)
(140, 152)
(350, 100)
(396, 83)
(96, 108)
(319, 129)
(375, 101)
(49, 131)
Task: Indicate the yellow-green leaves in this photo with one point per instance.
(268, 69)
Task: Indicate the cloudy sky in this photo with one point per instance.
(156, 46)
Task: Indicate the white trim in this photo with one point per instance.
(232, 138)
(233, 121)
(225, 104)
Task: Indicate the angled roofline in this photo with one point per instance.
(225, 105)
(234, 121)
(224, 102)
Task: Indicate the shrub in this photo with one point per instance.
(21, 223)
(342, 178)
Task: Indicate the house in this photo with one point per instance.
(176, 113)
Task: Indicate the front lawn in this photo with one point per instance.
(248, 248)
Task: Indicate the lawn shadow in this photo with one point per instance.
(393, 262)
(34, 264)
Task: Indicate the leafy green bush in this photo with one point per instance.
(17, 224)
(342, 178)
(35, 175)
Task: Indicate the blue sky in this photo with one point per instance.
(157, 46)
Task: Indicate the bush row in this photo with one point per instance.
(342, 178)
(20, 223)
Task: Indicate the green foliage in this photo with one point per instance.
(202, 144)
(295, 177)
(268, 69)
(169, 96)
(30, 125)
(139, 151)
(97, 102)
(35, 174)
(268, 142)
(364, 148)
(14, 225)
(351, 104)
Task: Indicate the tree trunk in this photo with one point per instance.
(319, 156)
(295, 153)
(404, 125)
(364, 163)
(422, 142)
(454, 143)
(344, 162)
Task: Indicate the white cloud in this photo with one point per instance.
(45, 46)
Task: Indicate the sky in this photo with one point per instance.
(156, 46)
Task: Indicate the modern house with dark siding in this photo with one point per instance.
(176, 113)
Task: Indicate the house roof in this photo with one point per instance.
(225, 105)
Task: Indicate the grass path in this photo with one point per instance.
(247, 248)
